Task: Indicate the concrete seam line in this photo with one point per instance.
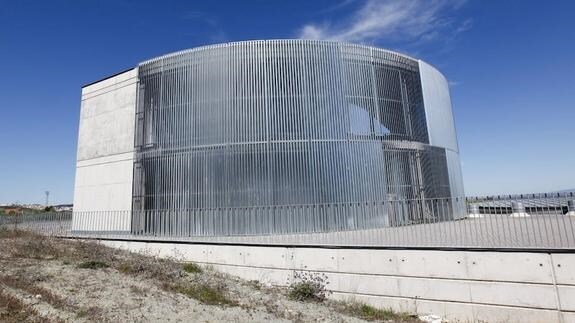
(556, 288)
(384, 275)
(309, 246)
(110, 76)
(90, 95)
(448, 301)
(116, 154)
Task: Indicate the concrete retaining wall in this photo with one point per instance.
(457, 285)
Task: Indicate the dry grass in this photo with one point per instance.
(93, 312)
(30, 245)
(170, 274)
(29, 286)
(14, 310)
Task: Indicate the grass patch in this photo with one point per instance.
(168, 274)
(192, 268)
(138, 290)
(370, 313)
(93, 264)
(206, 294)
(255, 284)
(92, 312)
(125, 268)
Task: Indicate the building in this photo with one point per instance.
(12, 210)
(273, 136)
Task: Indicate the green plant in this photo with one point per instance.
(370, 313)
(125, 268)
(92, 264)
(308, 286)
(206, 294)
(256, 284)
(192, 268)
(93, 312)
(138, 290)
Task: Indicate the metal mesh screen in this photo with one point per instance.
(225, 131)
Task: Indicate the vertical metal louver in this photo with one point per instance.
(282, 136)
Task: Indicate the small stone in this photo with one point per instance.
(38, 296)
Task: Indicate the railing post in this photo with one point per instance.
(518, 210)
(570, 208)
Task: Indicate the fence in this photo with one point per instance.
(545, 221)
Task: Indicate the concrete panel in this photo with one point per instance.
(275, 277)
(519, 267)
(511, 294)
(568, 317)
(104, 169)
(567, 297)
(116, 80)
(564, 265)
(104, 186)
(263, 257)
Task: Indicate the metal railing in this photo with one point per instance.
(529, 221)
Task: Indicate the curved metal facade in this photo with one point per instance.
(286, 136)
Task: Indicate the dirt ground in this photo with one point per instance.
(53, 280)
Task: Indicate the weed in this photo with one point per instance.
(93, 264)
(150, 267)
(308, 286)
(256, 284)
(192, 268)
(206, 294)
(370, 313)
(92, 312)
(125, 268)
(138, 290)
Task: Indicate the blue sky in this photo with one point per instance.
(511, 66)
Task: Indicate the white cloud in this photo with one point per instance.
(407, 20)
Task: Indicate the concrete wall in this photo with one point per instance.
(104, 167)
(457, 285)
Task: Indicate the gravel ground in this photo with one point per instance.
(45, 278)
